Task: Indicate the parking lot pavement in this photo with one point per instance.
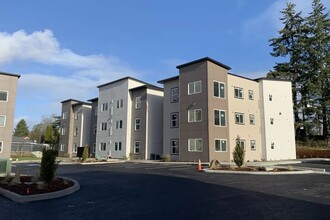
(318, 164)
(162, 191)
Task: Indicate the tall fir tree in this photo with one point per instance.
(21, 129)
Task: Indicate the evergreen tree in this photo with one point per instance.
(238, 153)
(49, 137)
(21, 129)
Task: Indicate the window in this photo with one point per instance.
(63, 131)
(242, 143)
(2, 120)
(138, 102)
(65, 115)
(1, 146)
(119, 124)
(175, 94)
(94, 148)
(253, 144)
(3, 96)
(74, 149)
(62, 147)
(272, 146)
(271, 121)
(270, 97)
(75, 131)
(103, 146)
(117, 146)
(239, 118)
(175, 120)
(252, 121)
(104, 107)
(220, 118)
(194, 87)
(220, 145)
(195, 115)
(75, 116)
(120, 103)
(195, 145)
(174, 146)
(251, 96)
(136, 147)
(103, 126)
(219, 89)
(95, 129)
(238, 92)
(95, 111)
(137, 124)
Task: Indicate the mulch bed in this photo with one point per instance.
(312, 153)
(254, 169)
(26, 187)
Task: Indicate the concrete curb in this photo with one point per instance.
(260, 172)
(100, 163)
(19, 198)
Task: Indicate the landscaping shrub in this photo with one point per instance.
(166, 158)
(239, 153)
(48, 165)
(85, 154)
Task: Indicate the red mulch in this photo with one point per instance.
(28, 188)
(312, 153)
(254, 169)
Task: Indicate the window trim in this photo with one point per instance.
(65, 115)
(1, 146)
(138, 104)
(104, 107)
(270, 97)
(242, 90)
(103, 126)
(177, 120)
(75, 132)
(271, 121)
(7, 95)
(251, 94)
(103, 144)
(172, 99)
(220, 110)
(254, 144)
(195, 141)
(242, 141)
(134, 150)
(272, 145)
(62, 147)
(239, 123)
(74, 148)
(194, 120)
(252, 122)
(219, 86)
(172, 146)
(4, 121)
(194, 88)
(220, 140)
(137, 124)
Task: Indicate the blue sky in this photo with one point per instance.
(64, 49)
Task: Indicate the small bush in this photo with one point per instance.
(48, 165)
(85, 154)
(166, 158)
(239, 153)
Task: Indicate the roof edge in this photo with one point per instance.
(204, 59)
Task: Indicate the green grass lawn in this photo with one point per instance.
(25, 158)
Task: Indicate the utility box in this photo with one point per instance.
(5, 167)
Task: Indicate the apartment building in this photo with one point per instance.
(93, 126)
(206, 109)
(8, 87)
(129, 119)
(75, 126)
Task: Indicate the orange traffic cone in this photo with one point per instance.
(199, 165)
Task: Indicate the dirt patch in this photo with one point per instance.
(27, 187)
(312, 153)
(252, 169)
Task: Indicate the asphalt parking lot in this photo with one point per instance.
(170, 191)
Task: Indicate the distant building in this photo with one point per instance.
(93, 126)
(8, 87)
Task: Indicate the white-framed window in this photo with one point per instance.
(174, 146)
(220, 145)
(195, 145)
(76, 116)
(252, 119)
(95, 129)
(137, 147)
(104, 107)
(138, 102)
(103, 126)
(270, 97)
(194, 87)
(65, 115)
(1, 146)
(253, 144)
(103, 146)
(195, 115)
(74, 149)
(251, 95)
(239, 118)
(3, 96)
(219, 89)
(137, 124)
(94, 148)
(272, 145)
(242, 143)
(75, 133)
(2, 120)
(120, 103)
(271, 121)
(117, 146)
(63, 131)
(62, 147)
(119, 124)
(174, 119)
(175, 94)
(219, 117)
(238, 92)
(95, 110)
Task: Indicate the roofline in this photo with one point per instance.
(94, 99)
(68, 100)
(243, 77)
(149, 87)
(10, 74)
(125, 78)
(82, 103)
(168, 79)
(204, 59)
(272, 79)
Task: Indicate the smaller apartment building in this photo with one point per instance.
(75, 126)
(206, 108)
(8, 87)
